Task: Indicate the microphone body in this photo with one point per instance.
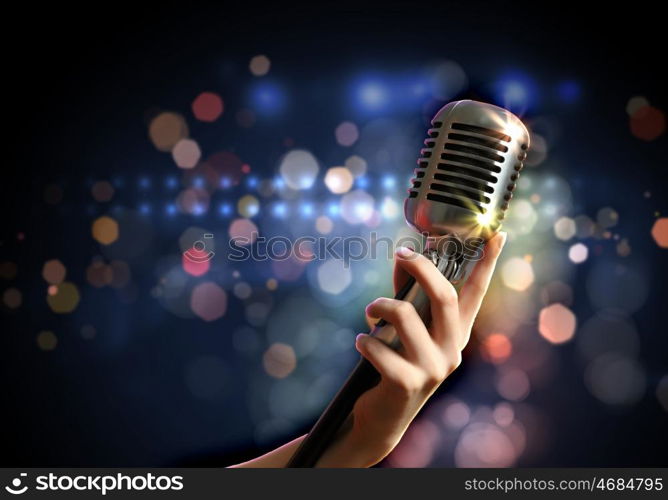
(464, 181)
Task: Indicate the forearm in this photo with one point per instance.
(277, 458)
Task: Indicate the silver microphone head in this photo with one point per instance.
(467, 171)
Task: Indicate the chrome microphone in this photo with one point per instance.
(464, 181)
(467, 171)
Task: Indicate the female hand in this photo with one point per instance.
(428, 355)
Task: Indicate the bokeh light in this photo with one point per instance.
(243, 231)
(259, 65)
(53, 272)
(648, 123)
(299, 169)
(660, 232)
(357, 165)
(578, 253)
(279, 360)
(102, 191)
(65, 300)
(339, 180)
(517, 274)
(208, 301)
(248, 206)
(564, 228)
(207, 107)
(346, 134)
(166, 130)
(186, 153)
(105, 230)
(47, 340)
(556, 323)
(12, 298)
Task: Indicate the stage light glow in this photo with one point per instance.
(167, 129)
(144, 182)
(299, 169)
(390, 209)
(446, 80)
(207, 107)
(333, 209)
(225, 209)
(556, 323)
(362, 182)
(252, 182)
(372, 95)
(259, 65)
(357, 207)
(306, 209)
(338, 180)
(485, 218)
(515, 92)
(208, 301)
(105, 230)
(194, 201)
(279, 210)
(53, 272)
(186, 153)
(346, 134)
(267, 98)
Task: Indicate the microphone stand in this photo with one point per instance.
(365, 376)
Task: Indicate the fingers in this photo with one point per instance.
(389, 363)
(442, 295)
(473, 291)
(409, 326)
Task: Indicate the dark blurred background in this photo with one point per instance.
(118, 352)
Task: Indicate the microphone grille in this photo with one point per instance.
(471, 162)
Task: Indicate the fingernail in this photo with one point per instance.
(404, 252)
(504, 237)
(360, 337)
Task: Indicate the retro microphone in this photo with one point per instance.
(464, 181)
